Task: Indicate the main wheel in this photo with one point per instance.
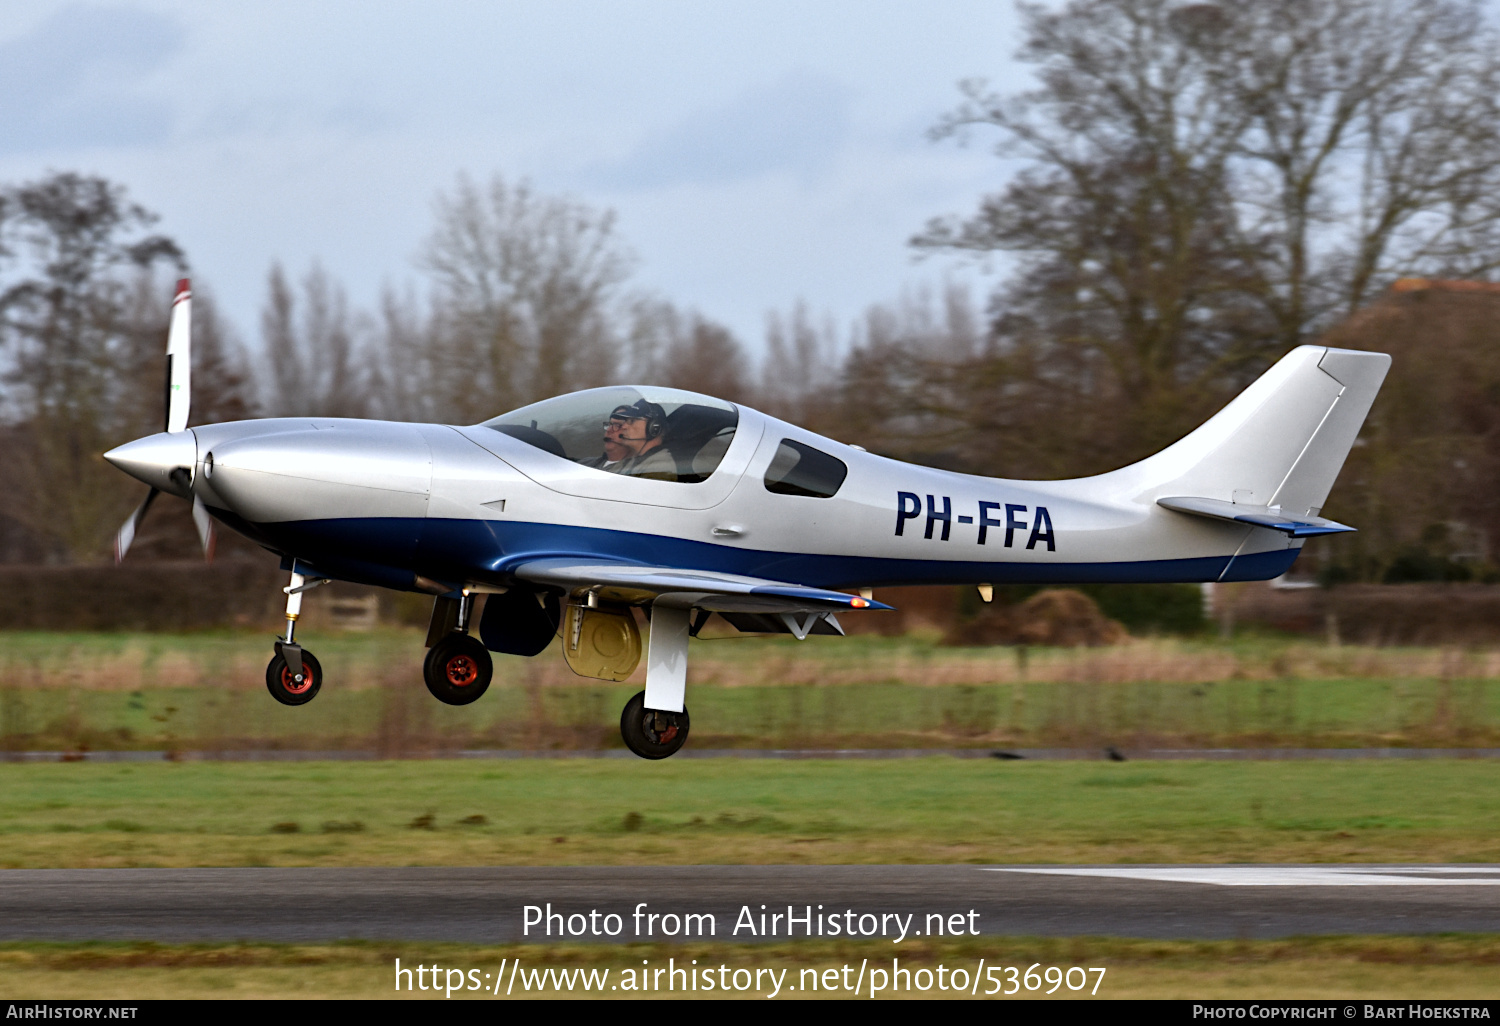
(649, 733)
(458, 669)
(284, 685)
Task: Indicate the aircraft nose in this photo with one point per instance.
(366, 468)
(164, 460)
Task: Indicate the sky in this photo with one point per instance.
(755, 153)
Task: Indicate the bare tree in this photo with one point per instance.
(73, 246)
(318, 364)
(904, 387)
(1420, 484)
(801, 368)
(654, 327)
(408, 364)
(1206, 185)
(525, 297)
(665, 345)
(1373, 148)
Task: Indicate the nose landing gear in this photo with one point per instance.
(651, 733)
(293, 686)
(294, 675)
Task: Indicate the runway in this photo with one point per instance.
(488, 904)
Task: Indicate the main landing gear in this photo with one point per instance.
(650, 733)
(294, 675)
(655, 722)
(458, 668)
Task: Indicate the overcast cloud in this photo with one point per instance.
(74, 79)
(756, 153)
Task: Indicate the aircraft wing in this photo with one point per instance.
(703, 589)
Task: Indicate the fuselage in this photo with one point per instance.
(408, 506)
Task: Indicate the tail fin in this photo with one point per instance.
(1279, 444)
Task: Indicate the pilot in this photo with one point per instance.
(633, 438)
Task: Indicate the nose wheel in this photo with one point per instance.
(651, 733)
(458, 669)
(294, 685)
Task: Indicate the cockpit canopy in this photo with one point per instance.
(659, 433)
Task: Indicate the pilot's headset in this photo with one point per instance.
(654, 416)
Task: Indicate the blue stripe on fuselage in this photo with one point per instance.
(458, 550)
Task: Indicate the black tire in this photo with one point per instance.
(651, 734)
(288, 691)
(458, 670)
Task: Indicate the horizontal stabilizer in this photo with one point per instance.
(1257, 516)
(702, 589)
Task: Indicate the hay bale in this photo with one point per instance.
(1058, 617)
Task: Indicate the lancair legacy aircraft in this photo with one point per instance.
(573, 515)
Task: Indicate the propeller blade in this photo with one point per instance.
(126, 534)
(179, 359)
(205, 525)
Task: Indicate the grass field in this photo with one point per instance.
(1453, 967)
(609, 812)
(69, 692)
(204, 693)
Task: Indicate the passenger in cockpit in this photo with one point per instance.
(633, 443)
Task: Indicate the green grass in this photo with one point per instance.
(205, 693)
(401, 718)
(1452, 967)
(609, 812)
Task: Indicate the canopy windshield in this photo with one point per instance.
(657, 433)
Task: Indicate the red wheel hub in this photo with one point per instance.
(461, 671)
(291, 685)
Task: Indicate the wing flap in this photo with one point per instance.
(701, 589)
(1257, 516)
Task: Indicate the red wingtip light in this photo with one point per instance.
(858, 603)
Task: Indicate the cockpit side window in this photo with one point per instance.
(799, 469)
(656, 433)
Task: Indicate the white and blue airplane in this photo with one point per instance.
(594, 514)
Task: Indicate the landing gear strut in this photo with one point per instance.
(655, 722)
(650, 733)
(294, 675)
(458, 668)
